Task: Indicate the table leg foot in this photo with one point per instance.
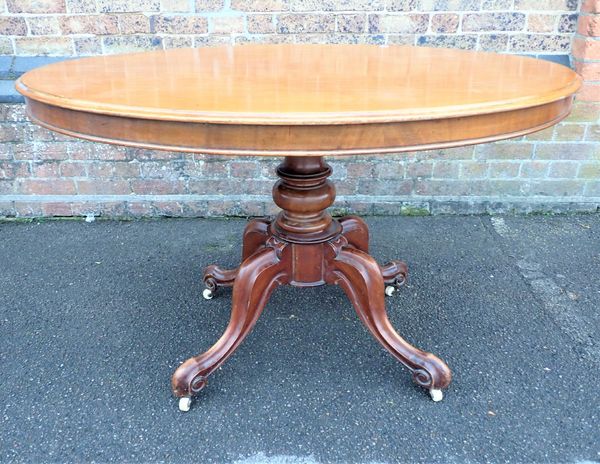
(363, 281)
(255, 236)
(256, 278)
(394, 275)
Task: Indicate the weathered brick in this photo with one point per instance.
(34, 46)
(260, 23)
(503, 170)
(103, 187)
(569, 132)
(554, 188)
(444, 23)
(419, 170)
(462, 41)
(131, 43)
(585, 112)
(212, 40)
(567, 151)
(586, 49)
(450, 5)
(128, 6)
(57, 209)
(176, 6)
(493, 42)
(407, 24)
(43, 25)
(497, 4)
(259, 5)
(385, 187)
(227, 24)
(445, 170)
(589, 92)
(45, 169)
(134, 23)
(540, 43)
(563, 169)
(351, 22)
(99, 169)
(541, 22)
(549, 5)
(37, 6)
(126, 169)
(81, 6)
(477, 22)
(504, 151)
(543, 135)
(361, 170)
(179, 24)
(12, 169)
(85, 46)
(588, 70)
(534, 169)
(177, 42)
(157, 186)
(12, 25)
(402, 5)
(244, 169)
(46, 187)
(291, 23)
(89, 24)
(390, 170)
(567, 22)
(589, 25)
(593, 133)
(6, 46)
(589, 171)
(473, 170)
(590, 6)
(432, 187)
(72, 169)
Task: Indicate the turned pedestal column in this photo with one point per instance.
(305, 247)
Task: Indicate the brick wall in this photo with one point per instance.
(84, 27)
(46, 174)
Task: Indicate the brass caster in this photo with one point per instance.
(185, 404)
(436, 395)
(208, 294)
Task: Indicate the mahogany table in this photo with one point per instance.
(303, 103)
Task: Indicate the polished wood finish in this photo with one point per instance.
(299, 100)
(305, 247)
(302, 102)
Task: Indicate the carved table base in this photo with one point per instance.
(305, 247)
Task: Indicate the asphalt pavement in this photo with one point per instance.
(94, 317)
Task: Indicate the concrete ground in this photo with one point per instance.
(95, 317)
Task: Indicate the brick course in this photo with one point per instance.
(88, 27)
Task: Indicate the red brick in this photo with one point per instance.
(589, 71)
(589, 92)
(57, 209)
(72, 169)
(103, 187)
(589, 25)
(157, 187)
(179, 24)
(590, 6)
(89, 24)
(586, 49)
(46, 186)
(45, 169)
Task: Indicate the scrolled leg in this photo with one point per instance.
(256, 278)
(255, 236)
(362, 280)
(356, 232)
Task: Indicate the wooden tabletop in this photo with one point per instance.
(297, 86)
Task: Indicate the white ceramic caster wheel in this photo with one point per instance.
(390, 290)
(208, 294)
(185, 404)
(436, 395)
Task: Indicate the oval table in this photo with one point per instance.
(303, 103)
